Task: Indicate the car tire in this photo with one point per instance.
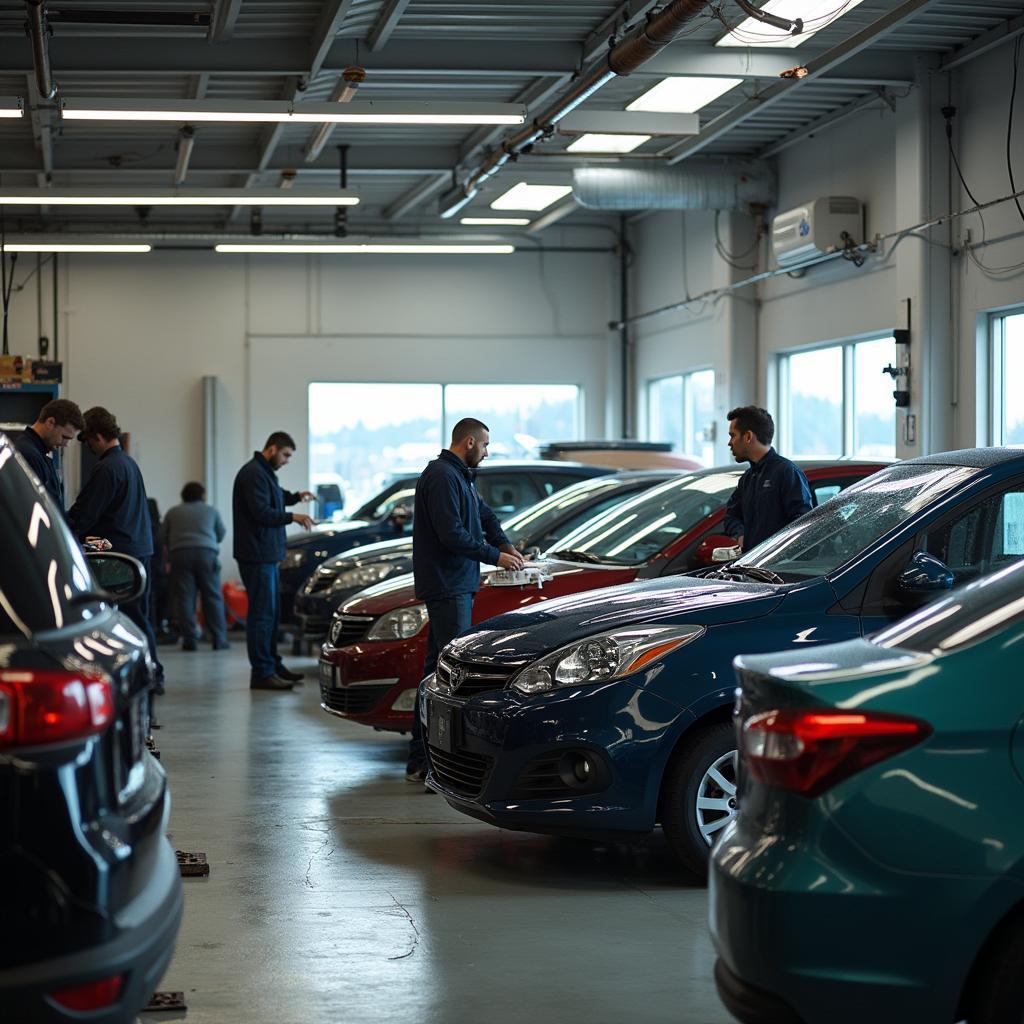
(996, 995)
(703, 761)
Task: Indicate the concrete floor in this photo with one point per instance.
(340, 893)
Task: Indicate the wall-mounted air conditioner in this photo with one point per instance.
(816, 229)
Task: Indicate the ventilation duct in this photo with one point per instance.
(695, 185)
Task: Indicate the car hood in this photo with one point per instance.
(323, 530)
(383, 552)
(564, 578)
(531, 632)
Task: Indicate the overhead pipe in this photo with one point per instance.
(633, 52)
(40, 49)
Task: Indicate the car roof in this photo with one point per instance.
(544, 465)
(972, 458)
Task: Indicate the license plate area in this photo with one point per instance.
(442, 726)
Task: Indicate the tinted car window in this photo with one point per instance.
(371, 509)
(636, 529)
(403, 496)
(966, 616)
(537, 518)
(506, 492)
(830, 535)
(43, 569)
(551, 482)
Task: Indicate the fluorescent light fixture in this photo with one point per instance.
(191, 197)
(816, 14)
(530, 197)
(512, 222)
(593, 143)
(379, 249)
(683, 95)
(11, 107)
(284, 111)
(72, 247)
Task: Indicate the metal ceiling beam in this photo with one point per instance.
(816, 67)
(416, 196)
(222, 22)
(295, 56)
(985, 42)
(324, 35)
(621, 20)
(42, 133)
(820, 124)
(387, 21)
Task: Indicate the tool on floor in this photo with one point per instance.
(192, 865)
(165, 1001)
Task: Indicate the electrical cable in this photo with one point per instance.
(815, 24)
(1009, 123)
(733, 259)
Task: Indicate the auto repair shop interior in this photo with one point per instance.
(666, 779)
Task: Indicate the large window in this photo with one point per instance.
(838, 401)
(360, 435)
(681, 410)
(1007, 373)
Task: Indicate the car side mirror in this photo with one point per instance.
(121, 578)
(705, 553)
(924, 576)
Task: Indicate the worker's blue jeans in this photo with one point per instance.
(447, 620)
(260, 579)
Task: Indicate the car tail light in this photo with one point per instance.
(809, 750)
(93, 995)
(39, 707)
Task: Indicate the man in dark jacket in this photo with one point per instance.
(453, 531)
(773, 492)
(112, 504)
(57, 423)
(258, 506)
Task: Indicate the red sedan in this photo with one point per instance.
(372, 661)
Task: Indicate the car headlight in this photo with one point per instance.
(604, 657)
(401, 624)
(295, 559)
(365, 576)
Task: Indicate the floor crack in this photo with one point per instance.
(412, 923)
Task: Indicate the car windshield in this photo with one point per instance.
(635, 530)
(831, 535)
(585, 499)
(398, 492)
(967, 616)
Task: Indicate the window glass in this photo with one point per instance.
(815, 409)
(832, 534)
(874, 410)
(823, 492)
(550, 483)
(360, 434)
(699, 393)
(1008, 363)
(530, 412)
(636, 529)
(506, 493)
(403, 495)
(665, 411)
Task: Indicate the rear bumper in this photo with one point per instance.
(146, 932)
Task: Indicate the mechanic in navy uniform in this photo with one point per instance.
(112, 504)
(258, 507)
(773, 492)
(453, 531)
(57, 423)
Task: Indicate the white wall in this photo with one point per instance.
(139, 334)
(896, 162)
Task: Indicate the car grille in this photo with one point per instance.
(319, 583)
(315, 626)
(349, 629)
(467, 678)
(353, 700)
(462, 772)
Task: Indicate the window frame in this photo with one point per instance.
(997, 372)
(685, 380)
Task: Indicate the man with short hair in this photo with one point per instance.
(453, 531)
(57, 423)
(773, 492)
(112, 504)
(258, 506)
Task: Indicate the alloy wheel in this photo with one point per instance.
(716, 797)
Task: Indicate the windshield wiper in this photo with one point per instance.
(572, 555)
(754, 572)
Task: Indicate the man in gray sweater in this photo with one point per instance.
(192, 532)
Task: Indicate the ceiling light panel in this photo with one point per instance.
(191, 197)
(683, 95)
(530, 197)
(511, 222)
(816, 15)
(74, 247)
(378, 249)
(593, 143)
(11, 107)
(282, 111)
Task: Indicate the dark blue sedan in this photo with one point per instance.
(607, 713)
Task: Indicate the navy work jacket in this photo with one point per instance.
(769, 496)
(453, 531)
(31, 448)
(258, 506)
(112, 504)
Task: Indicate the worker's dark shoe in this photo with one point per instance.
(416, 773)
(188, 645)
(222, 645)
(292, 677)
(270, 683)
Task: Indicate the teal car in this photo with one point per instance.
(875, 870)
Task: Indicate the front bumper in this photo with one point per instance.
(510, 759)
(147, 928)
(363, 682)
(807, 925)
